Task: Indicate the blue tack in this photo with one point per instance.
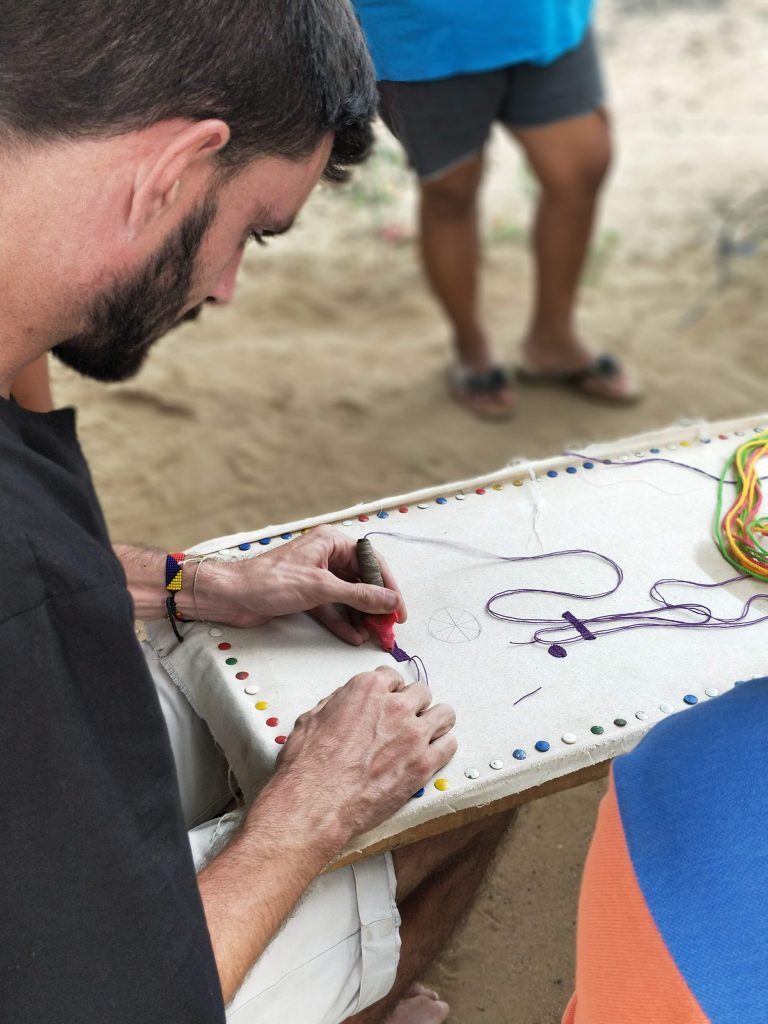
(519, 755)
(655, 451)
(542, 745)
(589, 465)
(706, 440)
(441, 501)
(244, 547)
(551, 472)
(691, 698)
(570, 469)
(265, 540)
(285, 536)
(383, 515)
(420, 793)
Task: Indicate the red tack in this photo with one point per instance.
(272, 722)
(280, 739)
(241, 675)
(480, 490)
(723, 437)
(224, 646)
(404, 508)
(363, 519)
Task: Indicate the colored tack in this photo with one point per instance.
(620, 722)
(498, 487)
(706, 440)
(265, 540)
(551, 472)
(557, 651)
(261, 705)
(517, 483)
(518, 754)
(542, 746)
(224, 646)
(598, 730)
(691, 698)
(244, 547)
(569, 737)
(570, 469)
(241, 675)
(307, 529)
(712, 691)
(655, 451)
(215, 631)
(285, 536)
(497, 764)
(723, 437)
(383, 515)
(441, 784)
(479, 490)
(363, 519)
(666, 708)
(230, 661)
(641, 716)
(685, 444)
(420, 793)
(250, 689)
(589, 465)
(281, 739)
(404, 508)
(441, 501)
(472, 773)
(272, 722)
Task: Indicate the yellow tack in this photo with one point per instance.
(441, 784)
(498, 487)
(517, 483)
(261, 705)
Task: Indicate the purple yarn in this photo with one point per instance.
(642, 462)
(421, 669)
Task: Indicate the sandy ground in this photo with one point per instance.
(324, 383)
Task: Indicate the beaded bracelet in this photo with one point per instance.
(174, 579)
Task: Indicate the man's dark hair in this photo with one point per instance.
(281, 73)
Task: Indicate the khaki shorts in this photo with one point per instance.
(339, 950)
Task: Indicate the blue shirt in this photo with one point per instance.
(420, 40)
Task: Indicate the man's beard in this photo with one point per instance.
(124, 322)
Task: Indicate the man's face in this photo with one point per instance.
(197, 261)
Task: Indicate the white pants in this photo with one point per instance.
(339, 950)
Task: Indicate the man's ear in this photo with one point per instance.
(181, 158)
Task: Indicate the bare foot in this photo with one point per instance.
(571, 362)
(488, 394)
(421, 1005)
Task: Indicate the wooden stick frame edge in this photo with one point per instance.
(448, 822)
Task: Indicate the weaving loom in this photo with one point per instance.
(528, 712)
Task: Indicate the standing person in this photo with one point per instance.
(447, 73)
(143, 143)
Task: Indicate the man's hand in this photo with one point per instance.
(316, 573)
(362, 753)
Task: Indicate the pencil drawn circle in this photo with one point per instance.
(453, 626)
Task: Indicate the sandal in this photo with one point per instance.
(601, 379)
(491, 394)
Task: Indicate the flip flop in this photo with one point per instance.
(590, 381)
(490, 395)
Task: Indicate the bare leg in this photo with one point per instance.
(438, 880)
(450, 249)
(570, 160)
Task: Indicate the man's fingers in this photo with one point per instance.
(362, 596)
(389, 580)
(336, 623)
(442, 750)
(420, 697)
(439, 719)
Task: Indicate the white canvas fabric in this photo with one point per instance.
(654, 519)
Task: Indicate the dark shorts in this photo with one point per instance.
(441, 123)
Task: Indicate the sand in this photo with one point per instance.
(324, 383)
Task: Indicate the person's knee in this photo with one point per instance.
(453, 195)
(578, 173)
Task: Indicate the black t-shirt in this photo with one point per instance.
(100, 916)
